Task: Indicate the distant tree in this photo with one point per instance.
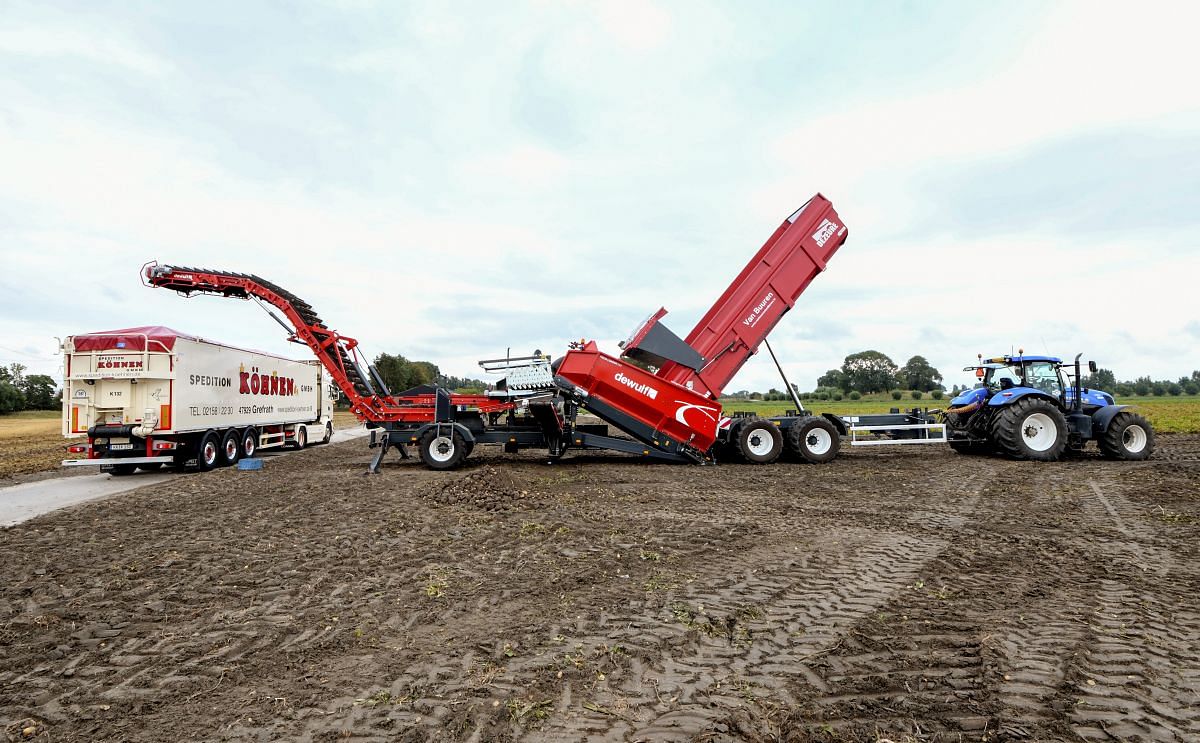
(1174, 389)
(832, 378)
(11, 399)
(1142, 386)
(1158, 389)
(38, 390)
(1189, 385)
(916, 394)
(869, 371)
(855, 395)
(1103, 379)
(399, 373)
(897, 394)
(919, 374)
(937, 394)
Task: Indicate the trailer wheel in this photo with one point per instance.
(121, 470)
(208, 453)
(442, 450)
(814, 439)
(1129, 436)
(758, 441)
(249, 443)
(231, 447)
(1031, 428)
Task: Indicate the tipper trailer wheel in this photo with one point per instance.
(814, 439)
(1129, 436)
(208, 452)
(1031, 428)
(442, 450)
(231, 447)
(758, 441)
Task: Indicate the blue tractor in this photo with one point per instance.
(1028, 407)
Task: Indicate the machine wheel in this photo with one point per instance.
(301, 439)
(758, 441)
(150, 466)
(1129, 436)
(231, 447)
(328, 432)
(121, 470)
(208, 453)
(249, 443)
(442, 450)
(1031, 428)
(813, 439)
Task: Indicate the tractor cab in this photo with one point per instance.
(1043, 373)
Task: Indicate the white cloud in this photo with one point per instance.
(91, 47)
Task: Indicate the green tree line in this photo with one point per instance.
(402, 374)
(19, 391)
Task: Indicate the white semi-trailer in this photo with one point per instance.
(150, 396)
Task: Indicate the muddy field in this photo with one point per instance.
(901, 595)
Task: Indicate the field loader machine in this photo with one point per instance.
(662, 392)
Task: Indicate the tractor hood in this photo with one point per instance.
(1091, 397)
(970, 397)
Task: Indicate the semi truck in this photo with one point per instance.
(151, 396)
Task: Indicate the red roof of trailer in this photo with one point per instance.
(159, 338)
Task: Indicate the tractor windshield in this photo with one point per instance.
(1043, 375)
(996, 375)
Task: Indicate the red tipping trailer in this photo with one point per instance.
(671, 410)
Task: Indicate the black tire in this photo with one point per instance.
(328, 432)
(758, 440)
(249, 443)
(300, 440)
(150, 466)
(1129, 436)
(443, 451)
(231, 447)
(1031, 428)
(122, 470)
(208, 452)
(813, 439)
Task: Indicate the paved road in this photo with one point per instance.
(22, 502)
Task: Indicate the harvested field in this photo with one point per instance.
(903, 594)
(31, 442)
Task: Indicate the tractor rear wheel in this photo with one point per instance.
(758, 440)
(442, 450)
(1129, 436)
(1031, 428)
(813, 439)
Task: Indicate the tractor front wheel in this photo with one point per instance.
(1129, 436)
(1031, 428)
(813, 439)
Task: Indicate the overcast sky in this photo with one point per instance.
(445, 180)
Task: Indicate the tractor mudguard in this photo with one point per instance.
(1009, 396)
(1102, 417)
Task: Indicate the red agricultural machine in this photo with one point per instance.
(662, 392)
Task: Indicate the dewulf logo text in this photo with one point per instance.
(824, 232)
(645, 389)
(752, 319)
